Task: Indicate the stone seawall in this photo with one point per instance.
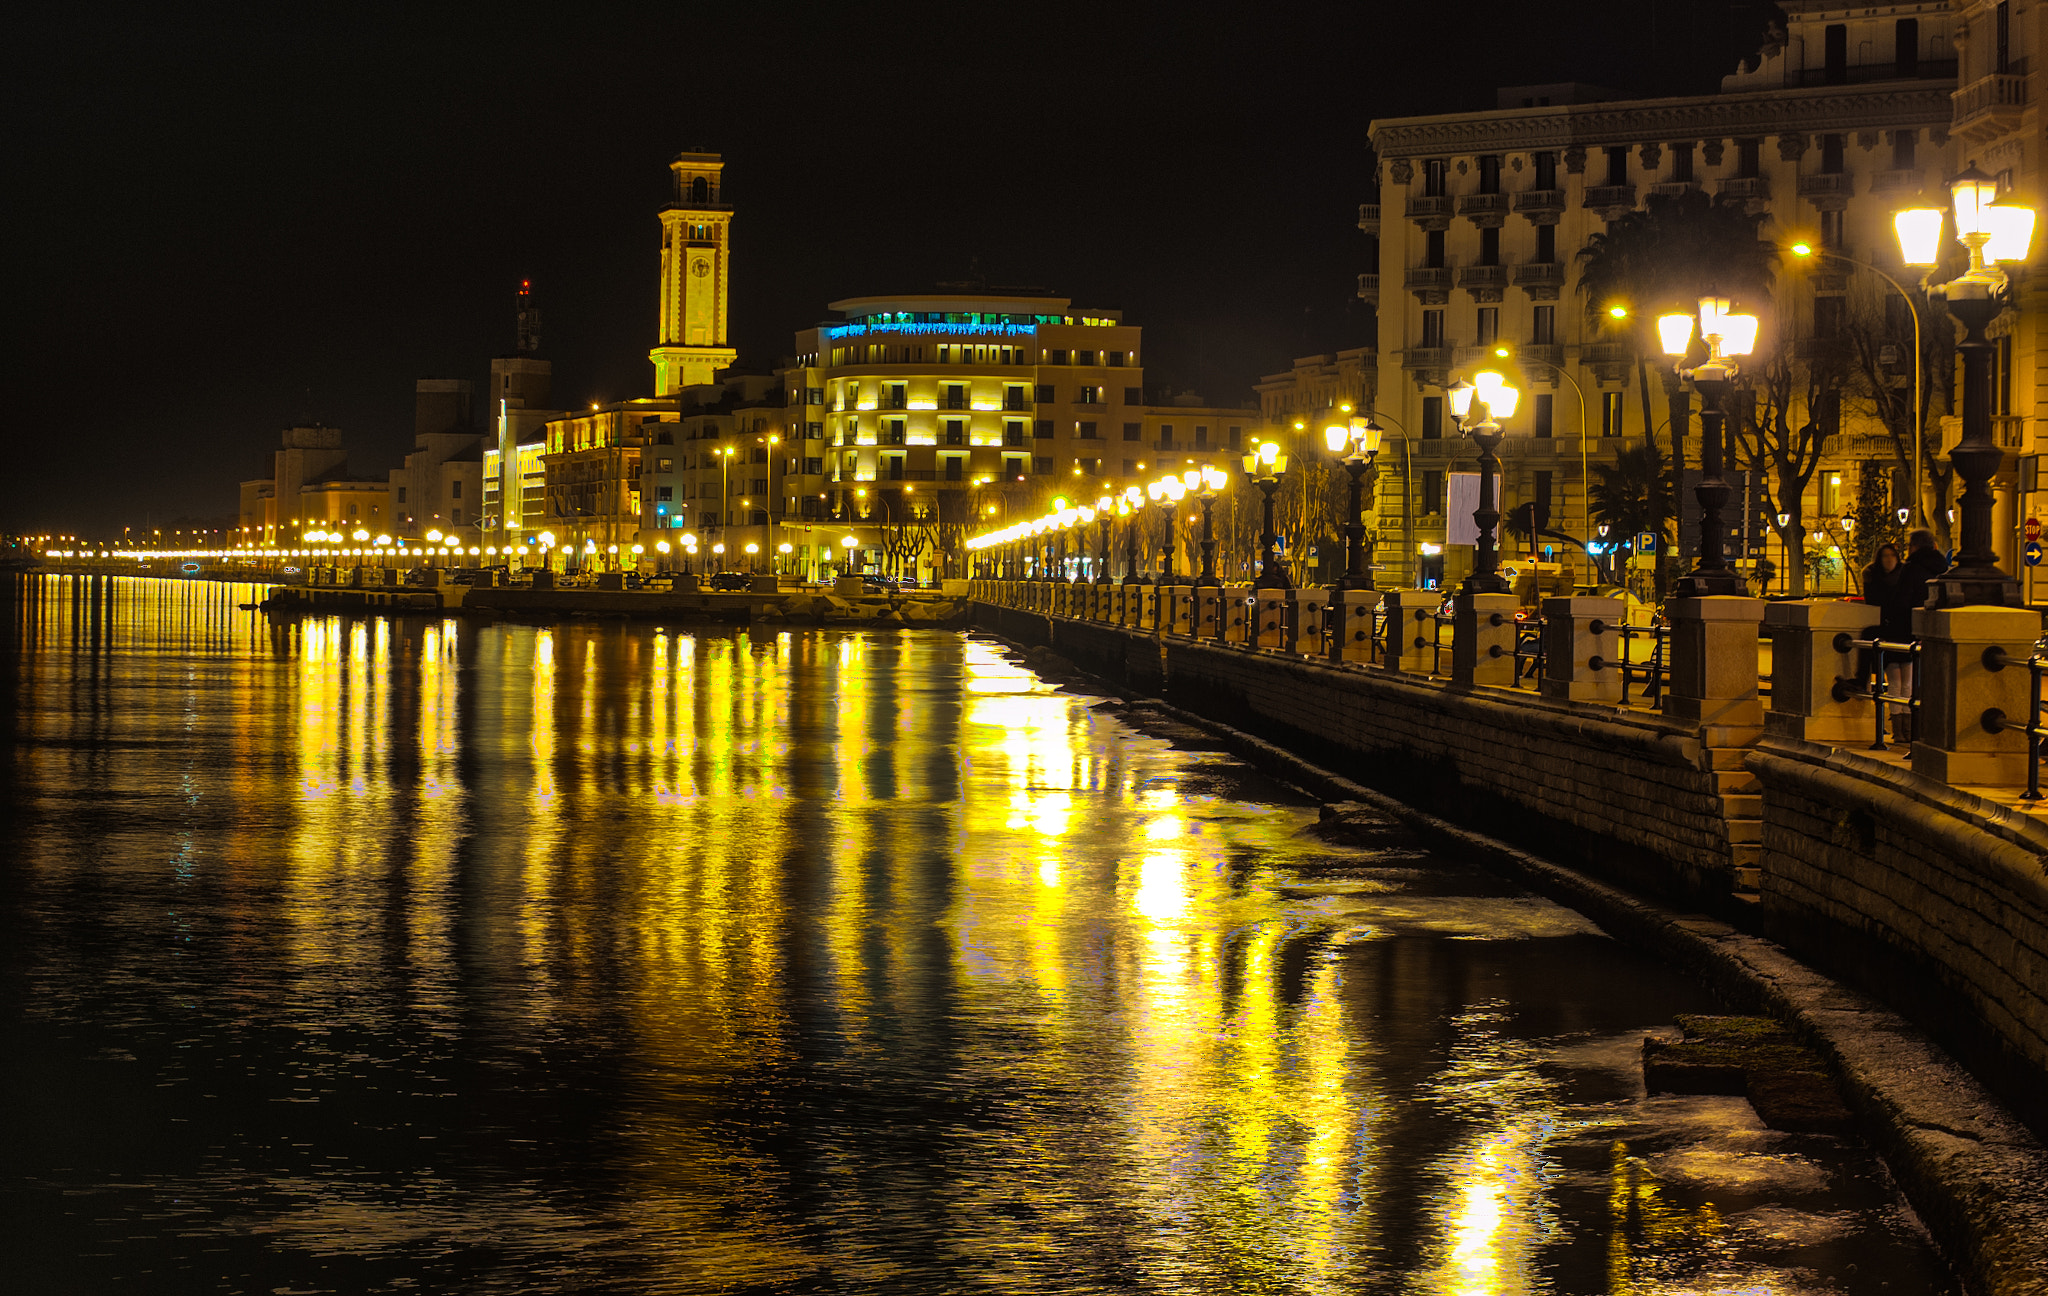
(1935, 899)
(1628, 795)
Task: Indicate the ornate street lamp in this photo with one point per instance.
(1210, 480)
(1103, 508)
(1356, 444)
(1476, 405)
(1265, 466)
(1167, 493)
(1726, 336)
(1131, 507)
(1992, 232)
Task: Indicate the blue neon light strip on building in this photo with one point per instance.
(839, 331)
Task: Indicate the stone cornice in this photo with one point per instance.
(1825, 109)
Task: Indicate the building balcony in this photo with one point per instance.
(1483, 276)
(1541, 355)
(953, 403)
(1016, 405)
(1427, 208)
(1540, 200)
(1438, 277)
(1897, 183)
(896, 403)
(1609, 353)
(1369, 287)
(1747, 187)
(1168, 445)
(1484, 209)
(2009, 431)
(1674, 188)
(1369, 217)
(1989, 106)
(1540, 274)
(1609, 197)
(1830, 184)
(1426, 358)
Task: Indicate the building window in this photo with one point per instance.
(1433, 249)
(892, 431)
(1201, 437)
(1092, 467)
(1546, 170)
(1088, 396)
(1902, 149)
(1489, 247)
(1432, 417)
(1134, 395)
(1906, 47)
(1085, 430)
(956, 432)
(1831, 149)
(1544, 330)
(1041, 464)
(1681, 163)
(665, 493)
(1543, 413)
(1432, 328)
(1134, 431)
(1748, 159)
(1236, 435)
(455, 514)
(1831, 229)
(1056, 356)
(1489, 326)
(1045, 393)
(664, 465)
(1611, 407)
(1433, 178)
(1043, 429)
(1617, 164)
(1130, 467)
(1432, 492)
(1827, 317)
(1489, 174)
(1546, 245)
(953, 465)
(401, 494)
(2002, 37)
(1013, 432)
(1114, 359)
(1013, 466)
(1835, 54)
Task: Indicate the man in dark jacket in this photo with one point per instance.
(1923, 563)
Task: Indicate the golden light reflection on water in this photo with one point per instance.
(832, 956)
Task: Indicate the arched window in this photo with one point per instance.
(700, 190)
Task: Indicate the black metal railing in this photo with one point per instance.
(1882, 702)
(1996, 721)
(1528, 651)
(1654, 674)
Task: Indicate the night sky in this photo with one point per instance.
(229, 222)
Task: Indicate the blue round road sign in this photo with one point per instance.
(2033, 553)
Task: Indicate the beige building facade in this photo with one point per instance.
(1482, 216)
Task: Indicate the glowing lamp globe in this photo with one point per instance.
(1675, 333)
(1919, 234)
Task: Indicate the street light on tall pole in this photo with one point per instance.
(1131, 508)
(1265, 466)
(1992, 232)
(1726, 336)
(1356, 445)
(1103, 507)
(1167, 493)
(1477, 405)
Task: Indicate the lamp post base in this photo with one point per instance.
(1963, 588)
(1486, 583)
(1706, 584)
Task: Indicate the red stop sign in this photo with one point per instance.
(2033, 528)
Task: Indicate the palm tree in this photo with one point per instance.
(1665, 257)
(1633, 495)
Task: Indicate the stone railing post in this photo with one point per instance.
(1237, 612)
(1135, 597)
(1714, 667)
(1407, 630)
(1483, 639)
(1810, 677)
(1177, 605)
(1579, 649)
(1351, 624)
(1208, 611)
(1975, 694)
(1269, 618)
(1305, 610)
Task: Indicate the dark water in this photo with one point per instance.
(423, 955)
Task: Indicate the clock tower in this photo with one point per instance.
(696, 260)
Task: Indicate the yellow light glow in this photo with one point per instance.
(1919, 233)
(1618, 312)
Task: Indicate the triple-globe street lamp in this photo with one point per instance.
(1356, 445)
(1727, 336)
(1265, 466)
(1167, 493)
(1478, 405)
(1992, 232)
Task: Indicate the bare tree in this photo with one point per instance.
(1879, 342)
(1783, 419)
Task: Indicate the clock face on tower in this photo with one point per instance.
(700, 267)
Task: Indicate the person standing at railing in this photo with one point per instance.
(1886, 588)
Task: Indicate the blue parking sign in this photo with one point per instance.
(2033, 553)
(1646, 542)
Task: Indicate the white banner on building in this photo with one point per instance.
(1461, 501)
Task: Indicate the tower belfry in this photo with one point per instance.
(696, 261)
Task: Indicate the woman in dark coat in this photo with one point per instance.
(1891, 589)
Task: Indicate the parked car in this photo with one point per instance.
(732, 581)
